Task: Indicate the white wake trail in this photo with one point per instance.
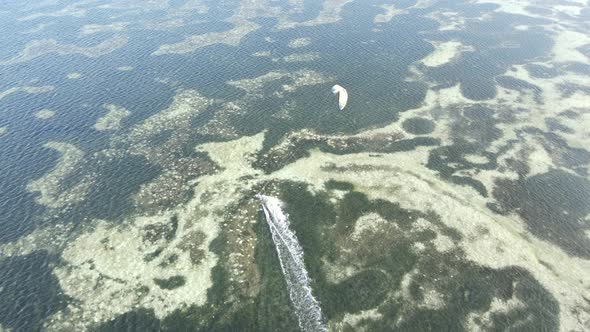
(290, 254)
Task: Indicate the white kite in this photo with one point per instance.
(342, 95)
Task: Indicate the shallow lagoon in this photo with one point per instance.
(452, 192)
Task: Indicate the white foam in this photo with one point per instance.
(26, 89)
(512, 6)
(44, 114)
(476, 159)
(74, 76)
(445, 52)
(302, 57)
(254, 86)
(424, 3)
(105, 270)
(37, 28)
(262, 54)
(90, 29)
(330, 13)
(389, 13)
(570, 10)
(192, 43)
(367, 222)
(75, 10)
(290, 254)
(299, 42)
(353, 319)
(111, 120)
(50, 239)
(448, 20)
(37, 48)
(483, 321)
(49, 186)
(337, 272)
(190, 7)
(566, 46)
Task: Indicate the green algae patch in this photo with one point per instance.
(474, 298)
(418, 126)
(554, 215)
(393, 269)
(192, 243)
(338, 185)
(322, 228)
(364, 290)
(141, 320)
(170, 283)
(30, 292)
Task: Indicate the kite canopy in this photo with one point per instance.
(342, 95)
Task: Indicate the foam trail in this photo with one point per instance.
(290, 254)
